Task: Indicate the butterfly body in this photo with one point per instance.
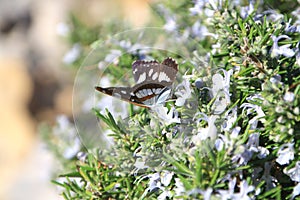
(154, 81)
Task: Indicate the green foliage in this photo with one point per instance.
(231, 152)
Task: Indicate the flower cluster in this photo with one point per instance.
(230, 129)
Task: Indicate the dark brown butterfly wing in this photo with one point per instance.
(138, 95)
(152, 78)
(123, 93)
(145, 71)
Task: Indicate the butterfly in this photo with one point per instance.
(153, 83)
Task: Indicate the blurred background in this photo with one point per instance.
(36, 85)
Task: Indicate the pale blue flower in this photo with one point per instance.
(62, 29)
(253, 141)
(296, 15)
(285, 154)
(220, 91)
(166, 193)
(289, 97)
(255, 97)
(219, 144)
(216, 48)
(125, 44)
(73, 54)
(227, 141)
(154, 181)
(208, 132)
(245, 152)
(245, 188)
(276, 79)
(159, 181)
(235, 131)
(230, 194)
(254, 109)
(296, 191)
(166, 177)
(137, 153)
(215, 4)
(183, 92)
(222, 100)
(69, 142)
(253, 146)
(102, 65)
(113, 56)
(221, 82)
(170, 19)
(170, 25)
(294, 173)
(206, 194)
(262, 152)
(167, 116)
(242, 155)
(81, 156)
(136, 48)
(271, 15)
(247, 10)
(284, 50)
(291, 28)
(298, 54)
(71, 151)
(179, 187)
(139, 165)
(198, 7)
(230, 119)
(199, 30)
(206, 7)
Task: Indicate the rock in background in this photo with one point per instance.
(35, 87)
